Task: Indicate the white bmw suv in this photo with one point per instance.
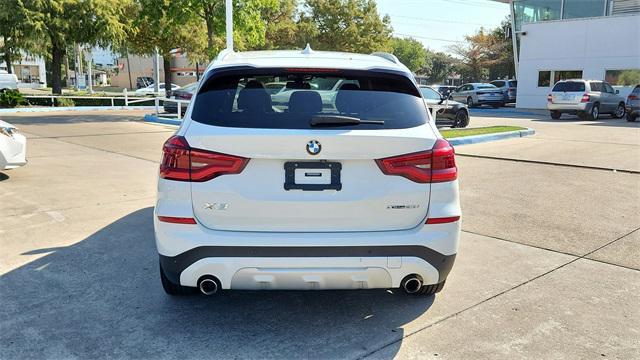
(351, 190)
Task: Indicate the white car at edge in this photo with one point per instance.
(358, 194)
(13, 147)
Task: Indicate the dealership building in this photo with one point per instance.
(567, 39)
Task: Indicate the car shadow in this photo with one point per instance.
(3, 176)
(102, 297)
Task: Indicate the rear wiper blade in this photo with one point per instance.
(337, 120)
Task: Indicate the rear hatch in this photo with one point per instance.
(308, 164)
(568, 92)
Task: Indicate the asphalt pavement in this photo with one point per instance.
(548, 265)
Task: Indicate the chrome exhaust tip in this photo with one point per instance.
(208, 286)
(412, 284)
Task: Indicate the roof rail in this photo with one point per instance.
(387, 56)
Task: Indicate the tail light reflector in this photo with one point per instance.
(585, 98)
(431, 166)
(177, 220)
(550, 98)
(443, 220)
(633, 97)
(182, 163)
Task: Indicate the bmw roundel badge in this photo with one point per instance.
(314, 147)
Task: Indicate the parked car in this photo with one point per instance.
(275, 87)
(476, 94)
(358, 195)
(13, 147)
(633, 104)
(8, 82)
(150, 90)
(585, 98)
(509, 89)
(450, 113)
(143, 82)
(445, 90)
(184, 93)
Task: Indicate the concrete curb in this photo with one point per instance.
(162, 120)
(73, 108)
(490, 137)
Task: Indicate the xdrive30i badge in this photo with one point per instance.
(314, 147)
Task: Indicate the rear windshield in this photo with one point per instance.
(636, 90)
(569, 86)
(513, 83)
(485, 87)
(246, 98)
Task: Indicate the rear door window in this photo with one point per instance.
(239, 98)
(569, 86)
(596, 86)
(513, 83)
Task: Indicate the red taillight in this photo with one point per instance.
(632, 97)
(585, 98)
(181, 162)
(177, 220)
(549, 98)
(431, 166)
(184, 96)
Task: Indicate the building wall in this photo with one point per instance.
(30, 71)
(182, 71)
(592, 45)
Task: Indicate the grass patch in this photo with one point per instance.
(455, 133)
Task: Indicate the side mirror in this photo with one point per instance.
(617, 91)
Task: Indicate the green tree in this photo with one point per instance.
(16, 32)
(249, 25)
(282, 30)
(410, 52)
(64, 22)
(439, 66)
(344, 25)
(167, 26)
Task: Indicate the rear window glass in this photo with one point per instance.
(241, 98)
(513, 83)
(636, 90)
(498, 83)
(485, 87)
(570, 86)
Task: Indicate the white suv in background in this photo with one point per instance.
(353, 191)
(585, 98)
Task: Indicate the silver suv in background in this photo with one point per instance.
(585, 98)
(475, 94)
(508, 88)
(633, 104)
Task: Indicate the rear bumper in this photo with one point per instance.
(305, 261)
(569, 108)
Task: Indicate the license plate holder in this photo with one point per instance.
(311, 170)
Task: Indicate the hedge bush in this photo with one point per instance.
(11, 99)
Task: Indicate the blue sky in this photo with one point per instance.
(439, 23)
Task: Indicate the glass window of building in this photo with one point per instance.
(566, 74)
(544, 78)
(623, 77)
(574, 9)
(528, 11)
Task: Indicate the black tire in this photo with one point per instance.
(461, 120)
(631, 118)
(470, 102)
(555, 115)
(620, 112)
(429, 290)
(173, 289)
(594, 114)
(496, 106)
(582, 115)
